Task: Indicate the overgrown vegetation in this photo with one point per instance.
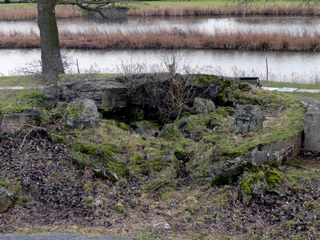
(117, 177)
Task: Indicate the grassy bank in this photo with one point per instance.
(168, 39)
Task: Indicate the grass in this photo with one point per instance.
(289, 85)
(28, 81)
(17, 101)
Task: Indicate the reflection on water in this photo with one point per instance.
(283, 66)
(296, 25)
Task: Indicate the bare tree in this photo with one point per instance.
(50, 48)
(52, 64)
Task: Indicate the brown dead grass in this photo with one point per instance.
(191, 39)
(18, 13)
(168, 39)
(226, 10)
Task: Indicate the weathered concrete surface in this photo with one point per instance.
(277, 152)
(85, 114)
(312, 125)
(201, 105)
(248, 118)
(228, 170)
(11, 122)
(108, 93)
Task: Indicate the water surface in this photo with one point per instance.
(283, 66)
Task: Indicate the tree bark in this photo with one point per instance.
(51, 59)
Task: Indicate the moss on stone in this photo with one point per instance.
(258, 182)
(273, 177)
(106, 150)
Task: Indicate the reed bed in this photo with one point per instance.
(18, 13)
(283, 10)
(169, 39)
(30, 13)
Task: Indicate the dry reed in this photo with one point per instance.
(168, 39)
(226, 10)
(16, 13)
(19, 14)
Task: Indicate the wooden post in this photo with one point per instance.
(267, 69)
(78, 67)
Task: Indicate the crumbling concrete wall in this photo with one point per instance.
(277, 152)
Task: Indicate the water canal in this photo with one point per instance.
(283, 66)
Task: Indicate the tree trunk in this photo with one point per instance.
(51, 59)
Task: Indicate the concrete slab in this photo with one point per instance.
(285, 89)
(309, 90)
(270, 88)
(12, 88)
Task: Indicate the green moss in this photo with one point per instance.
(206, 80)
(119, 208)
(56, 138)
(264, 179)
(124, 126)
(137, 114)
(180, 154)
(81, 160)
(171, 132)
(273, 176)
(118, 167)
(159, 183)
(88, 187)
(106, 150)
(290, 224)
(89, 202)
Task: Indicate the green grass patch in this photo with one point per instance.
(16, 4)
(18, 101)
(27, 81)
(24, 81)
(289, 85)
(315, 96)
